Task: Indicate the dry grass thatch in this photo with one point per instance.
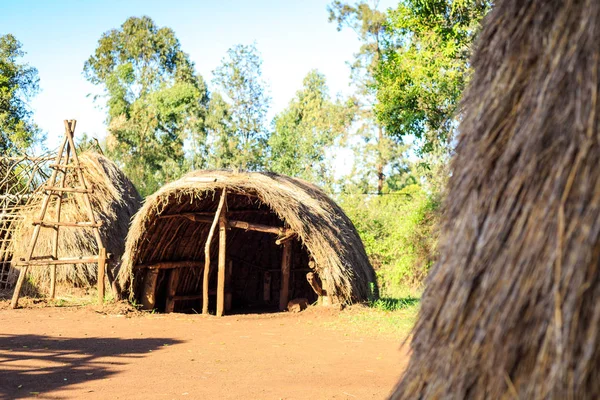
(322, 227)
(511, 309)
(114, 200)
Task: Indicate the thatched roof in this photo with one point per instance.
(114, 200)
(512, 308)
(320, 224)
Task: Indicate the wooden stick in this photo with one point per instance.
(101, 270)
(207, 253)
(228, 288)
(222, 262)
(172, 290)
(248, 226)
(60, 261)
(36, 230)
(171, 265)
(285, 275)
(53, 224)
(63, 180)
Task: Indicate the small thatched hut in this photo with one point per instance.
(271, 220)
(512, 308)
(114, 201)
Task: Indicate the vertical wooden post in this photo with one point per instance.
(63, 180)
(101, 269)
(207, 252)
(172, 290)
(228, 288)
(285, 275)
(222, 262)
(267, 287)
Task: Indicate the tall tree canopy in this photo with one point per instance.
(369, 25)
(307, 129)
(18, 83)
(155, 100)
(424, 67)
(242, 137)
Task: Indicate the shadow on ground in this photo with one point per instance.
(35, 364)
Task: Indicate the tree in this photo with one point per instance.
(18, 84)
(243, 137)
(155, 100)
(305, 131)
(424, 68)
(369, 25)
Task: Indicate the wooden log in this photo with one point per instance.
(247, 226)
(56, 224)
(228, 288)
(101, 272)
(207, 252)
(149, 291)
(172, 290)
(63, 180)
(284, 293)
(222, 264)
(267, 287)
(171, 265)
(60, 261)
(67, 189)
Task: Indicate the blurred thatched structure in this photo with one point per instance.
(512, 308)
(114, 201)
(171, 230)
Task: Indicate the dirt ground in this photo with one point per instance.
(87, 353)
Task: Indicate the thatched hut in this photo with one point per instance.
(512, 308)
(114, 201)
(268, 221)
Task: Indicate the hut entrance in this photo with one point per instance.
(227, 253)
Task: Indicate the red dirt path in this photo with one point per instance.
(77, 353)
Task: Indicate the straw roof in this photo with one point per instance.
(511, 309)
(320, 224)
(114, 200)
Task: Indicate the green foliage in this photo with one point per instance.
(307, 130)
(154, 98)
(424, 67)
(18, 83)
(394, 303)
(398, 230)
(239, 126)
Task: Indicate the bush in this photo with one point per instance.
(398, 230)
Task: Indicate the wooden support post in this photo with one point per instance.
(172, 290)
(101, 270)
(149, 294)
(62, 185)
(222, 263)
(285, 275)
(267, 287)
(228, 288)
(207, 252)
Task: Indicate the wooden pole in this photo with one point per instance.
(63, 180)
(285, 275)
(172, 290)
(149, 294)
(228, 288)
(101, 269)
(36, 230)
(222, 264)
(207, 252)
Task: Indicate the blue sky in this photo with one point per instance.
(58, 36)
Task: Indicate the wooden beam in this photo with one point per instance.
(222, 263)
(284, 293)
(56, 224)
(172, 290)
(171, 265)
(207, 252)
(59, 261)
(248, 226)
(149, 291)
(101, 271)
